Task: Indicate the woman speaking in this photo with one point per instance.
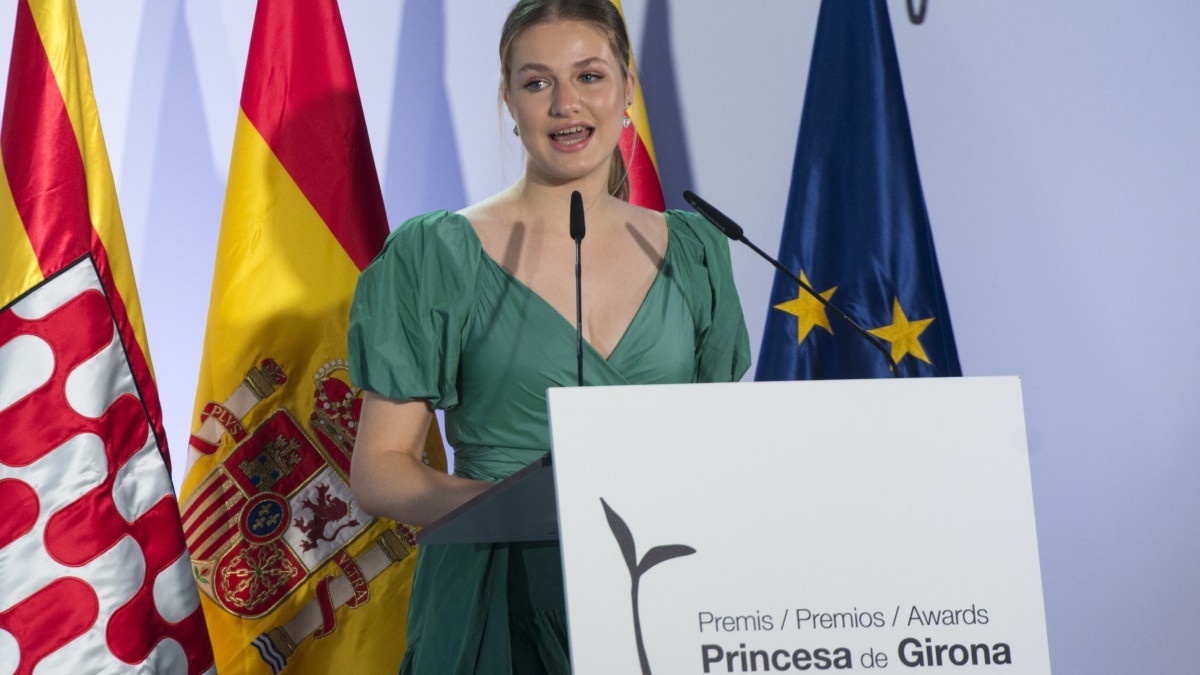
(473, 313)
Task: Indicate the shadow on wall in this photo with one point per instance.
(657, 70)
(182, 212)
(423, 169)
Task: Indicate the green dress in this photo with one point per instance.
(435, 318)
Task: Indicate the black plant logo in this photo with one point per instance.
(636, 569)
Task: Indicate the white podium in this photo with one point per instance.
(867, 525)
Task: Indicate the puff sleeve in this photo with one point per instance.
(411, 307)
(723, 344)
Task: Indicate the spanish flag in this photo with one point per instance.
(94, 575)
(294, 576)
(645, 187)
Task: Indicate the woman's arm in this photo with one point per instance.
(387, 476)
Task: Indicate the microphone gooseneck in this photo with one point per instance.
(577, 231)
(734, 231)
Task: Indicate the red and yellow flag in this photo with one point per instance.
(294, 576)
(645, 186)
(94, 575)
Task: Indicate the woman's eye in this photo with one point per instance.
(590, 77)
(536, 85)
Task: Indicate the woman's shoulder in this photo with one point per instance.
(487, 220)
(438, 224)
(437, 234)
(427, 258)
(696, 233)
(692, 222)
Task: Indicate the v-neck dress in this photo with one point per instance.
(435, 318)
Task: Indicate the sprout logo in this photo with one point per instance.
(638, 568)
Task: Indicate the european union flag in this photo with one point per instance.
(856, 228)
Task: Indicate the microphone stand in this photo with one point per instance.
(577, 232)
(734, 231)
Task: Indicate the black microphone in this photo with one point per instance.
(734, 231)
(577, 230)
(577, 226)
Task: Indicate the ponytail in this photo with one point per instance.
(618, 176)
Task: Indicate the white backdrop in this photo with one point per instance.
(1058, 147)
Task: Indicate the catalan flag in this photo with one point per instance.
(295, 578)
(94, 575)
(645, 187)
(856, 228)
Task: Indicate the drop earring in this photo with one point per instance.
(516, 132)
(625, 121)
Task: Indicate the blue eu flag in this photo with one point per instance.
(856, 229)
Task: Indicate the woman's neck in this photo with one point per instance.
(542, 202)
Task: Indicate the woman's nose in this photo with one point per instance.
(565, 101)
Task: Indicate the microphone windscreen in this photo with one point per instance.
(577, 226)
(712, 215)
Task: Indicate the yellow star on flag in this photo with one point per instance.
(808, 310)
(903, 334)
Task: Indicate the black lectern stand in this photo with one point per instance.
(518, 508)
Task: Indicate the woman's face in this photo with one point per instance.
(567, 92)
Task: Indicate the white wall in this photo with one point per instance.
(1058, 146)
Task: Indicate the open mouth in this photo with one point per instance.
(572, 135)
